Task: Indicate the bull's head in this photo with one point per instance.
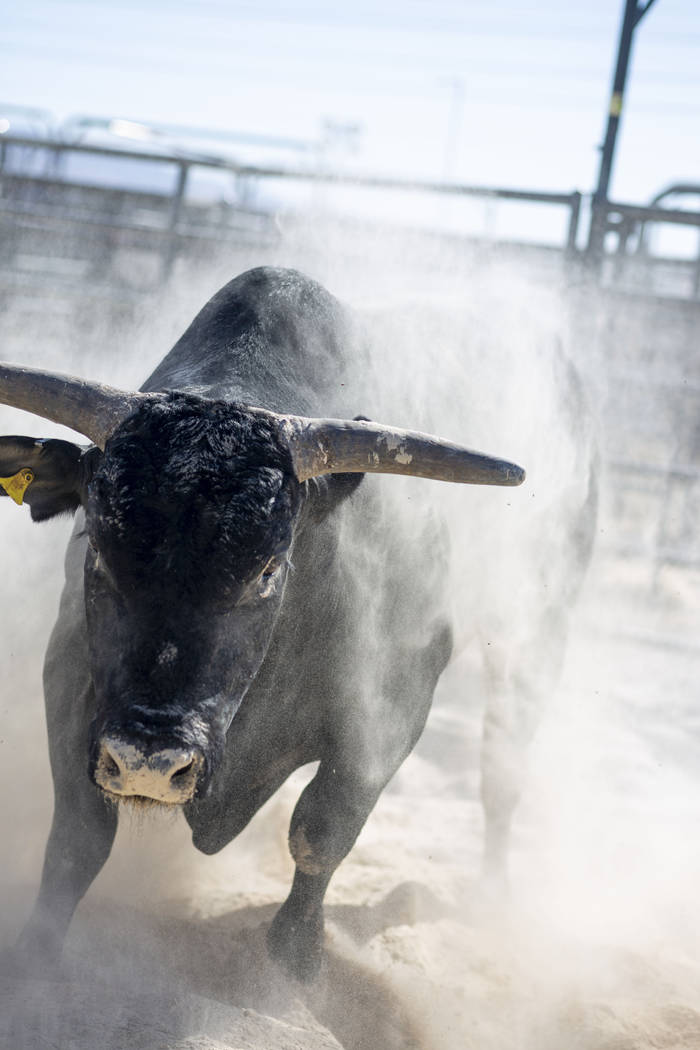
(190, 506)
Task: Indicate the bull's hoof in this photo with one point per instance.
(17, 962)
(296, 944)
(495, 880)
(37, 954)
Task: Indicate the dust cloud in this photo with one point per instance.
(594, 943)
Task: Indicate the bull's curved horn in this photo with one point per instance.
(337, 446)
(88, 408)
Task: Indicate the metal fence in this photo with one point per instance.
(37, 187)
(627, 260)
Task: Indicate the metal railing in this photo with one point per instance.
(184, 164)
(630, 253)
(628, 223)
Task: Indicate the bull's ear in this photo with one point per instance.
(50, 475)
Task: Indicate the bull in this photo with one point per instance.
(208, 639)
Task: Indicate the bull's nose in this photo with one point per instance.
(169, 775)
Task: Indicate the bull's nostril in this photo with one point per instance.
(110, 766)
(183, 770)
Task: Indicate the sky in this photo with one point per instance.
(500, 93)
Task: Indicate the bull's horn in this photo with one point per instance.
(88, 408)
(337, 446)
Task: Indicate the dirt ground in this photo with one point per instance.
(593, 946)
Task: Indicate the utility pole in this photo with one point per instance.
(634, 12)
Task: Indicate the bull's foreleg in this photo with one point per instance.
(80, 841)
(84, 823)
(327, 819)
(520, 679)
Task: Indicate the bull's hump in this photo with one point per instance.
(271, 337)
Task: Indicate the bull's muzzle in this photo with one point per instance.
(168, 776)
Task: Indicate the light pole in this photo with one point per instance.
(634, 12)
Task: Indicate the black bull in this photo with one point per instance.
(208, 639)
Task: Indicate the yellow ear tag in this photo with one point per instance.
(17, 485)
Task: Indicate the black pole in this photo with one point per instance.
(633, 13)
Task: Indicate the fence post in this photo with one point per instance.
(574, 215)
(170, 242)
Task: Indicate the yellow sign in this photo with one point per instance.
(615, 104)
(17, 485)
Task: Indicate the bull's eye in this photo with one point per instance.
(266, 580)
